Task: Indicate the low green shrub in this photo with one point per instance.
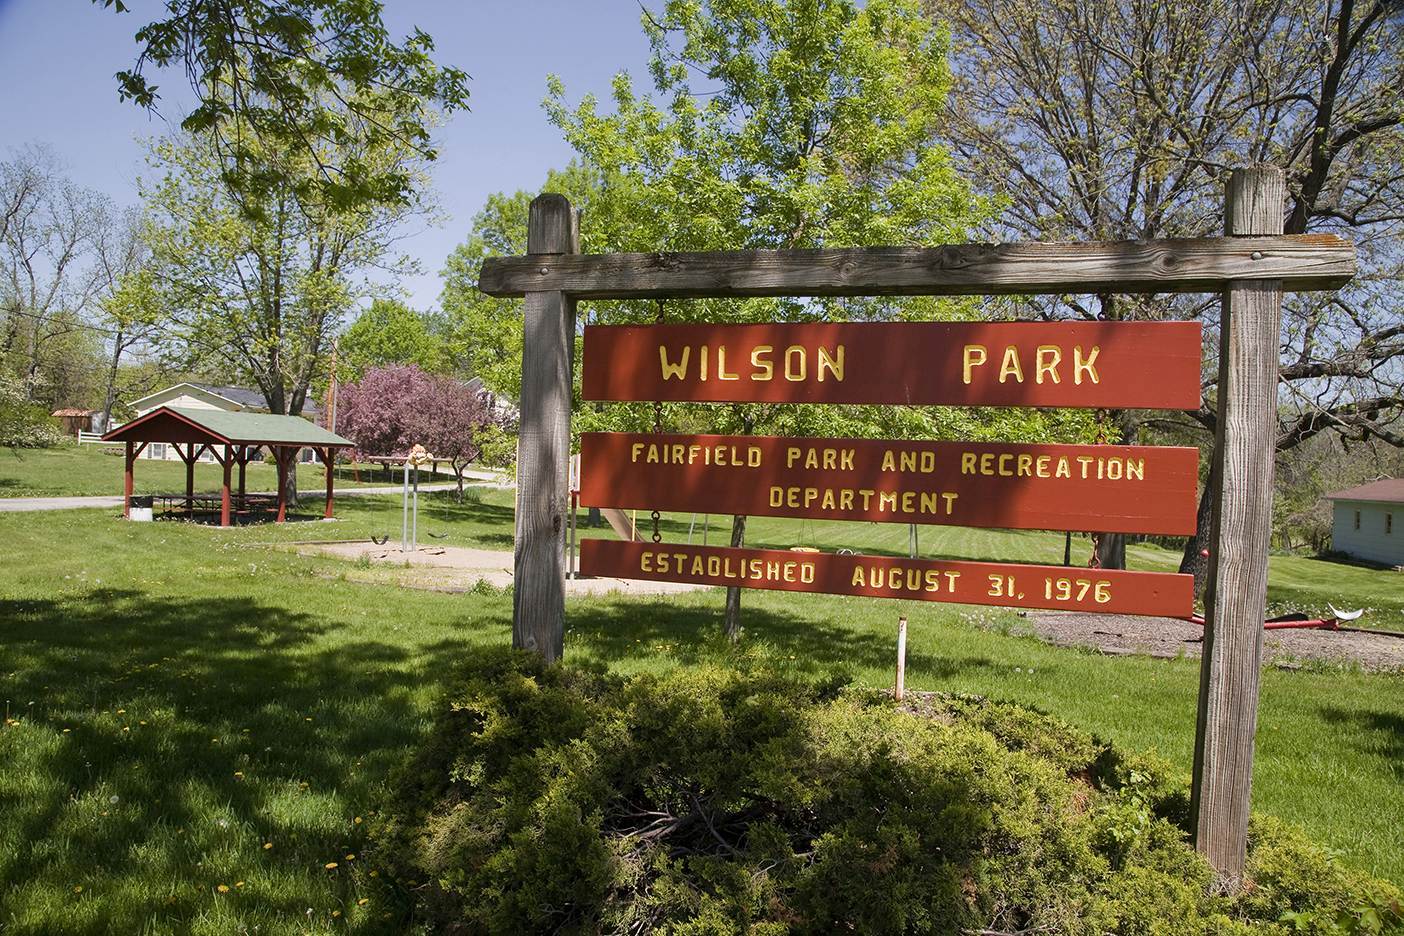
(567, 800)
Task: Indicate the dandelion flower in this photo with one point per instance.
(330, 865)
(267, 845)
(351, 857)
(336, 913)
(239, 774)
(357, 820)
(238, 883)
(67, 730)
(223, 888)
(78, 889)
(363, 901)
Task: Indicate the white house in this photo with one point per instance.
(1365, 521)
(208, 396)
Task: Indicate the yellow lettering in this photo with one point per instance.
(721, 366)
(834, 364)
(975, 356)
(1047, 359)
(792, 373)
(1011, 366)
(760, 359)
(674, 371)
(1089, 365)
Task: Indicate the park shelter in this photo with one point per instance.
(233, 439)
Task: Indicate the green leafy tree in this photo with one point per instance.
(776, 124)
(390, 332)
(484, 333)
(292, 80)
(257, 283)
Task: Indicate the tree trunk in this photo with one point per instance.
(738, 539)
(1194, 562)
(458, 475)
(110, 397)
(290, 479)
(733, 593)
(1111, 551)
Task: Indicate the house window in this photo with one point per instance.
(158, 450)
(1357, 519)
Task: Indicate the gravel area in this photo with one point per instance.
(458, 568)
(1117, 634)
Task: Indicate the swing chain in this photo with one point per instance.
(657, 430)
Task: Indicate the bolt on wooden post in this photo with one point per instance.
(543, 456)
(1236, 596)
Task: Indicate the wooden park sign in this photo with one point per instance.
(1106, 488)
(1007, 584)
(1112, 365)
(1140, 365)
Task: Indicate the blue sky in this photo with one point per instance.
(57, 58)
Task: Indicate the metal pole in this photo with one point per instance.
(912, 540)
(404, 511)
(414, 514)
(706, 525)
(692, 525)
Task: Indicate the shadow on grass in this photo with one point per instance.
(182, 711)
(1372, 731)
(618, 631)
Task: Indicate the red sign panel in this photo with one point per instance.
(1129, 365)
(1107, 488)
(982, 583)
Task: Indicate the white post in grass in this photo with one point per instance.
(901, 658)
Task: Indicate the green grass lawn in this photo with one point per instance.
(189, 710)
(81, 470)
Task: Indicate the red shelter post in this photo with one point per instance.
(127, 482)
(228, 463)
(189, 458)
(327, 458)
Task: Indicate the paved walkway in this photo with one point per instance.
(25, 504)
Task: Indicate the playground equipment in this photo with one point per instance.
(409, 511)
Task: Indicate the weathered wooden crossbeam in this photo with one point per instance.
(1201, 264)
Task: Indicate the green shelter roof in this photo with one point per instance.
(165, 423)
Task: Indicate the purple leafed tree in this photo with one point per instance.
(448, 421)
(395, 407)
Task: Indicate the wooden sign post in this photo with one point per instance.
(543, 446)
(1087, 364)
(1236, 597)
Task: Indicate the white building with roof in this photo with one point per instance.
(1365, 521)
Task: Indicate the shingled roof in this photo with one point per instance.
(174, 424)
(1384, 491)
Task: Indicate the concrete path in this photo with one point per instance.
(25, 504)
